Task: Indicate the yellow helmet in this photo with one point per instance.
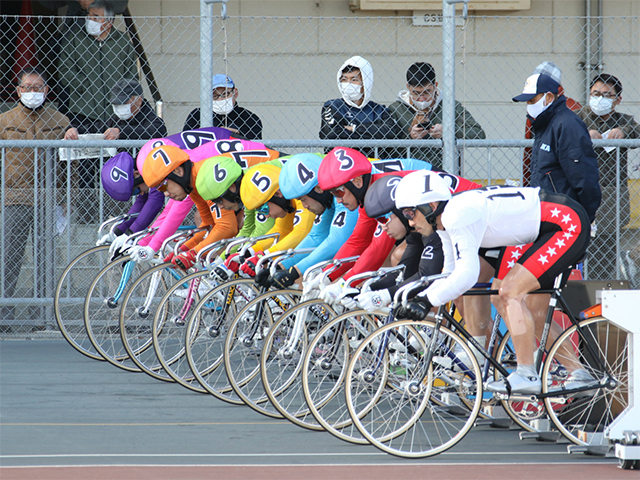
(259, 184)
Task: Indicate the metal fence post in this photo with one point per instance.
(206, 63)
(448, 86)
(48, 237)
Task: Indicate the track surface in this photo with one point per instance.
(64, 416)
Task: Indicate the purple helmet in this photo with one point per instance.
(117, 177)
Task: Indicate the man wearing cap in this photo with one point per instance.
(226, 111)
(562, 160)
(551, 69)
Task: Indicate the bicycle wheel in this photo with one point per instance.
(70, 295)
(206, 333)
(170, 327)
(102, 311)
(244, 342)
(389, 384)
(281, 360)
(527, 412)
(583, 417)
(136, 317)
(324, 369)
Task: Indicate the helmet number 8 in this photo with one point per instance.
(262, 183)
(346, 162)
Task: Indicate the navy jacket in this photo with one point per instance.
(563, 160)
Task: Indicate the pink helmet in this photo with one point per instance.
(340, 166)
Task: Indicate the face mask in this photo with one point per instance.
(601, 105)
(93, 28)
(123, 111)
(223, 107)
(422, 105)
(537, 108)
(351, 91)
(32, 99)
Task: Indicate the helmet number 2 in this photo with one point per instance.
(262, 183)
(346, 162)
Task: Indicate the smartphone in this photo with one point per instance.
(426, 125)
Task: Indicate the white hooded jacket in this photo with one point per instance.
(367, 78)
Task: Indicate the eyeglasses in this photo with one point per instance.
(383, 220)
(423, 93)
(220, 96)
(409, 213)
(598, 94)
(163, 186)
(338, 192)
(32, 88)
(263, 209)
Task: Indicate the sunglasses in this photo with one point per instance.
(136, 191)
(338, 192)
(383, 220)
(409, 213)
(263, 209)
(163, 186)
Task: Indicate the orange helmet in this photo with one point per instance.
(161, 162)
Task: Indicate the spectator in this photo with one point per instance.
(226, 111)
(551, 69)
(562, 160)
(603, 121)
(418, 113)
(355, 116)
(29, 120)
(91, 62)
(133, 117)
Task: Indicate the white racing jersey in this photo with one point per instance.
(488, 217)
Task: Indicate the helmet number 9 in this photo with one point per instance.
(117, 174)
(219, 173)
(304, 174)
(262, 183)
(162, 154)
(346, 162)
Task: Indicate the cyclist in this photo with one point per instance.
(557, 226)
(260, 189)
(170, 170)
(332, 226)
(121, 181)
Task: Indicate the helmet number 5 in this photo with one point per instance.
(262, 183)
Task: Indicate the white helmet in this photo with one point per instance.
(420, 188)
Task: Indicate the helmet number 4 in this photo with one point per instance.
(262, 183)
(304, 174)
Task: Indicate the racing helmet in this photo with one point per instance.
(259, 185)
(215, 177)
(420, 188)
(340, 166)
(147, 147)
(117, 177)
(299, 176)
(160, 164)
(380, 199)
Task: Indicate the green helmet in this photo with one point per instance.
(216, 175)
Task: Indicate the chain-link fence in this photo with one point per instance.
(284, 72)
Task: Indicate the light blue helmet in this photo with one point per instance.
(300, 174)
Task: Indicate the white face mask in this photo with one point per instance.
(601, 105)
(123, 111)
(537, 108)
(423, 105)
(351, 91)
(93, 28)
(223, 107)
(32, 99)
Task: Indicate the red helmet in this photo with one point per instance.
(341, 165)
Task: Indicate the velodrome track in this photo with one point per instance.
(65, 416)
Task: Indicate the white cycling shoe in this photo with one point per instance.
(519, 384)
(577, 379)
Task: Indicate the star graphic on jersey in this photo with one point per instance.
(555, 212)
(566, 218)
(543, 259)
(511, 263)
(572, 228)
(560, 243)
(515, 254)
(567, 235)
(551, 251)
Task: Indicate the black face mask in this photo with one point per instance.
(284, 204)
(185, 180)
(359, 193)
(325, 198)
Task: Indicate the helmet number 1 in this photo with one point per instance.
(262, 183)
(346, 162)
(427, 184)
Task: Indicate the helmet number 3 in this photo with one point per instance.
(346, 162)
(262, 183)
(304, 174)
